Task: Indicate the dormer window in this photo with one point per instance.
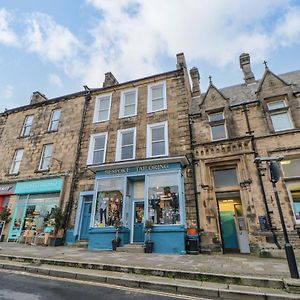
(217, 126)
(280, 116)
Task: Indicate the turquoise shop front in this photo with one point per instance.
(134, 192)
(35, 201)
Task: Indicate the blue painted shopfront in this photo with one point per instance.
(134, 194)
(35, 200)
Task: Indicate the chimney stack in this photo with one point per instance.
(110, 80)
(246, 68)
(180, 61)
(194, 73)
(37, 97)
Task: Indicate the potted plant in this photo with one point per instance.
(57, 218)
(148, 243)
(5, 216)
(117, 240)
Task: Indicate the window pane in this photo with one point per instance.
(48, 150)
(98, 157)
(109, 202)
(29, 120)
(163, 198)
(103, 115)
(127, 138)
(218, 132)
(281, 121)
(157, 104)
(291, 167)
(158, 148)
(129, 98)
(19, 154)
(129, 110)
(45, 163)
(56, 115)
(216, 117)
(296, 204)
(99, 142)
(54, 125)
(127, 152)
(158, 133)
(157, 92)
(276, 104)
(223, 178)
(104, 103)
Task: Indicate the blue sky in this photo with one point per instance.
(57, 46)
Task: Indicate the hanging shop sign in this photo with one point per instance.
(7, 189)
(39, 186)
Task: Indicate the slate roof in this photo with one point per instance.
(241, 93)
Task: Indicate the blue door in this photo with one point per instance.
(138, 222)
(86, 218)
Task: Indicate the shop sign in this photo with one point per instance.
(139, 169)
(39, 186)
(7, 188)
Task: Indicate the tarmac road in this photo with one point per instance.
(21, 286)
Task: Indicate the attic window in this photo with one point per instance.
(217, 126)
(280, 115)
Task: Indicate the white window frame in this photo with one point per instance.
(15, 161)
(25, 125)
(122, 103)
(52, 120)
(90, 157)
(150, 86)
(149, 138)
(42, 158)
(217, 123)
(277, 111)
(97, 107)
(119, 143)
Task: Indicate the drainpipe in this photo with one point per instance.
(194, 172)
(87, 97)
(254, 148)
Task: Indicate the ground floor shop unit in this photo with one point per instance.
(132, 193)
(35, 200)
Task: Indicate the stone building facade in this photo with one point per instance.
(38, 147)
(231, 127)
(134, 162)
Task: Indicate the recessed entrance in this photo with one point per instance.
(233, 228)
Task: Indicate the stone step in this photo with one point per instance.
(179, 287)
(132, 248)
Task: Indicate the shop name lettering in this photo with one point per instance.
(6, 188)
(137, 169)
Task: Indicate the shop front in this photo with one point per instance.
(35, 201)
(134, 192)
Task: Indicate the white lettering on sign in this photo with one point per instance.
(137, 169)
(6, 188)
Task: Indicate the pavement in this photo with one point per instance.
(246, 265)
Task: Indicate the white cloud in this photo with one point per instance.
(50, 40)
(55, 80)
(8, 92)
(7, 36)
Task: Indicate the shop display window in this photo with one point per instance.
(163, 197)
(109, 202)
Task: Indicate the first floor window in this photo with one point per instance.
(126, 144)
(163, 199)
(15, 166)
(97, 150)
(46, 157)
(157, 140)
(109, 202)
(280, 115)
